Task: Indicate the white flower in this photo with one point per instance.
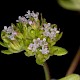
(44, 50)
(21, 19)
(54, 30)
(44, 39)
(28, 15)
(32, 47)
(10, 31)
(52, 35)
(37, 43)
(28, 12)
(34, 15)
(14, 33)
(30, 22)
(11, 37)
(47, 25)
(5, 28)
(46, 33)
(49, 31)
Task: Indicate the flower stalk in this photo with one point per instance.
(46, 71)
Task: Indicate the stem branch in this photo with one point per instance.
(46, 71)
(74, 63)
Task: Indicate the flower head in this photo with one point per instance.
(35, 37)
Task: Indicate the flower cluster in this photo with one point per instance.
(26, 18)
(37, 43)
(49, 31)
(10, 31)
(35, 37)
(34, 15)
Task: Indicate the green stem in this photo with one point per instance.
(46, 71)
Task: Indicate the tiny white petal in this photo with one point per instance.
(38, 39)
(57, 31)
(14, 33)
(44, 39)
(40, 43)
(46, 33)
(9, 29)
(11, 37)
(51, 29)
(17, 20)
(28, 11)
(30, 46)
(49, 24)
(44, 50)
(30, 22)
(5, 27)
(22, 19)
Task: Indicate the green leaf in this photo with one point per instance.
(6, 40)
(3, 44)
(71, 77)
(15, 46)
(19, 26)
(70, 4)
(25, 31)
(54, 25)
(13, 50)
(27, 42)
(59, 51)
(51, 42)
(6, 52)
(29, 53)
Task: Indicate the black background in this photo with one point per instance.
(20, 66)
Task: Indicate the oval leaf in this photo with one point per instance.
(59, 51)
(3, 44)
(6, 52)
(70, 4)
(71, 77)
